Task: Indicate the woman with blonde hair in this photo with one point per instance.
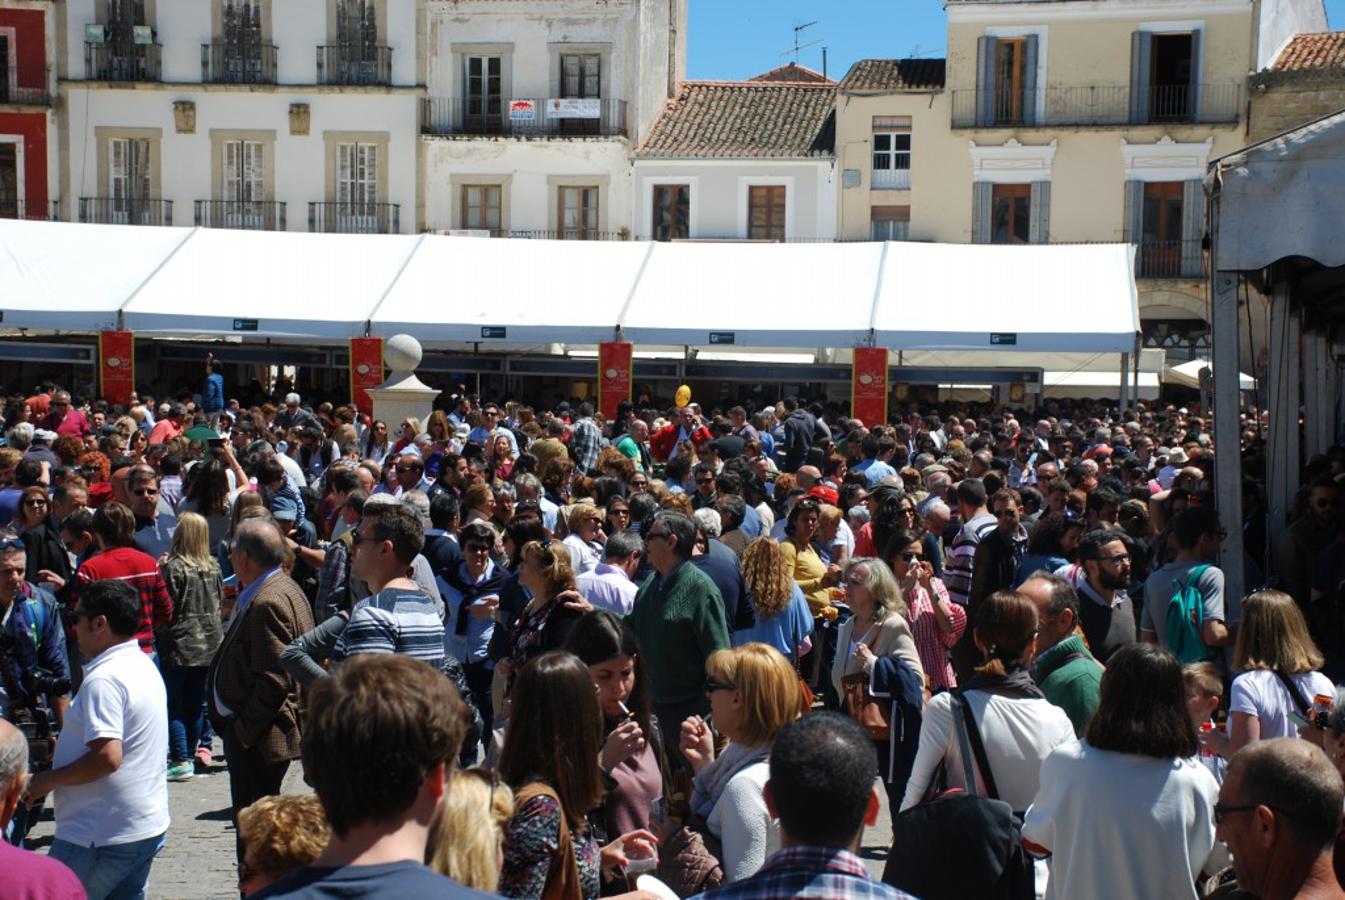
(406, 436)
(586, 538)
(754, 692)
(467, 837)
(784, 620)
(190, 640)
(1279, 664)
(545, 623)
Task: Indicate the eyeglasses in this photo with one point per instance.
(712, 685)
(705, 480)
(356, 538)
(145, 492)
(1221, 811)
(618, 512)
(1118, 558)
(36, 501)
(1009, 513)
(408, 468)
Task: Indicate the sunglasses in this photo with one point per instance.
(145, 492)
(35, 502)
(712, 685)
(911, 557)
(477, 548)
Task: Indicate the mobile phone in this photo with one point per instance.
(1297, 719)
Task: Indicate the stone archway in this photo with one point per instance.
(1170, 303)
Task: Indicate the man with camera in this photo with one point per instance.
(34, 672)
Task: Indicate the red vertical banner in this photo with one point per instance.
(868, 386)
(366, 371)
(614, 375)
(116, 365)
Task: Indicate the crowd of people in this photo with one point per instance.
(538, 653)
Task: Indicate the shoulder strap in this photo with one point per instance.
(1195, 574)
(1299, 700)
(977, 747)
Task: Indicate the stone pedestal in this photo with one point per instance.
(403, 394)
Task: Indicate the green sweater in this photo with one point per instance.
(1071, 684)
(679, 620)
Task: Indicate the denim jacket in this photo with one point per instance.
(36, 638)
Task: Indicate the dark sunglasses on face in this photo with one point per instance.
(477, 548)
(145, 492)
(910, 556)
(712, 685)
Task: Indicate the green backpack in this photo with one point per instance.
(1186, 611)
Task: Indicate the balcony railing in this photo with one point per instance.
(505, 116)
(342, 64)
(25, 84)
(355, 218)
(125, 211)
(1099, 105)
(891, 179)
(11, 207)
(1170, 259)
(571, 234)
(248, 215)
(133, 62)
(223, 63)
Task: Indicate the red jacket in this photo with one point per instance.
(662, 441)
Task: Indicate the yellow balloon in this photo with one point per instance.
(682, 397)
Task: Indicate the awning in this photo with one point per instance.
(1037, 297)
(1188, 375)
(64, 276)
(271, 284)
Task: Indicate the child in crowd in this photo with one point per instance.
(1204, 693)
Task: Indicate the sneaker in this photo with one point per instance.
(183, 771)
(204, 756)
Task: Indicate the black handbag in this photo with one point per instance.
(958, 844)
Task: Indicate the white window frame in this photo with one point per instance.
(358, 185)
(895, 182)
(124, 216)
(20, 170)
(249, 180)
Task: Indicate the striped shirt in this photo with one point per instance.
(394, 620)
(958, 566)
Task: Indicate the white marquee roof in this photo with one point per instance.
(907, 296)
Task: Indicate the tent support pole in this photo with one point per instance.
(1124, 383)
(1283, 439)
(1227, 428)
(1135, 373)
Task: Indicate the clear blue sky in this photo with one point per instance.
(735, 39)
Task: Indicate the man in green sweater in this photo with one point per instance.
(1067, 673)
(679, 618)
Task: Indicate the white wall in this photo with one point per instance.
(1280, 20)
(298, 27)
(300, 161)
(524, 169)
(719, 194)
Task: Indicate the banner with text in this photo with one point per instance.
(366, 371)
(574, 108)
(116, 365)
(868, 390)
(614, 375)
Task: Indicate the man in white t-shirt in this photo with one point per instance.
(108, 774)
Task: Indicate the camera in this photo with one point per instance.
(45, 681)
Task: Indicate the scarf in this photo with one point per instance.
(715, 777)
(457, 579)
(1018, 684)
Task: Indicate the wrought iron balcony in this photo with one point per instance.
(229, 63)
(25, 85)
(248, 215)
(571, 234)
(123, 62)
(349, 64)
(355, 218)
(125, 211)
(1099, 105)
(504, 116)
(1170, 259)
(11, 207)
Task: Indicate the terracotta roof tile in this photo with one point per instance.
(894, 75)
(1312, 52)
(793, 72)
(745, 119)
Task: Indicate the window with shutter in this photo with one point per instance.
(766, 212)
(891, 152)
(672, 212)
(1161, 229)
(357, 186)
(1009, 74)
(128, 179)
(580, 76)
(1010, 214)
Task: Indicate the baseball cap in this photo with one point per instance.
(824, 493)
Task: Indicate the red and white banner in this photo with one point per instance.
(614, 375)
(868, 386)
(116, 365)
(366, 371)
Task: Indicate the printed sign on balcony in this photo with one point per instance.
(522, 111)
(574, 108)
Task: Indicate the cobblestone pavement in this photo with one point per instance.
(197, 862)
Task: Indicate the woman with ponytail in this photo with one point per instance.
(1017, 725)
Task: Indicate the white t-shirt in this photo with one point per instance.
(1122, 825)
(1259, 693)
(122, 697)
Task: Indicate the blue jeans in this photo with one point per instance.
(185, 686)
(114, 872)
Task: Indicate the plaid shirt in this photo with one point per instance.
(140, 571)
(586, 442)
(931, 643)
(822, 873)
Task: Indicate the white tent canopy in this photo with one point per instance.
(906, 296)
(1042, 297)
(59, 276)
(1188, 375)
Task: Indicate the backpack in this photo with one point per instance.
(1185, 613)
